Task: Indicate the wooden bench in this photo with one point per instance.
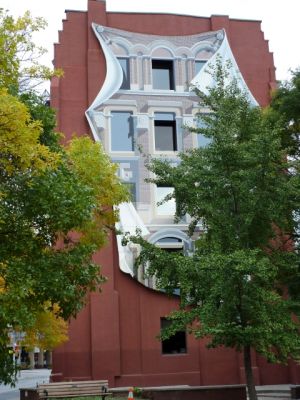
(73, 389)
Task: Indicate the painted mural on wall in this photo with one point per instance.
(143, 107)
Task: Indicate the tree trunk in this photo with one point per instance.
(249, 375)
(31, 359)
(41, 359)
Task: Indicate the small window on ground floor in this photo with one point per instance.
(176, 344)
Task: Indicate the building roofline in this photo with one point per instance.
(170, 13)
(183, 15)
(76, 11)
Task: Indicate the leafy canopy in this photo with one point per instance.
(20, 67)
(240, 192)
(55, 212)
(48, 332)
(56, 204)
(285, 109)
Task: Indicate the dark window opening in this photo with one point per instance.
(170, 240)
(165, 133)
(122, 131)
(162, 74)
(176, 344)
(124, 62)
(171, 244)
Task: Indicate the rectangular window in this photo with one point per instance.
(168, 207)
(132, 191)
(176, 344)
(162, 74)
(121, 131)
(198, 66)
(165, 132)
(202, 140)
(124, 62)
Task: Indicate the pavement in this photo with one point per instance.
(273, 392)
(26, 379)
(30, 378)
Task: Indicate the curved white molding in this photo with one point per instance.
(124, 43)
(129, 221)
(202, 46)
(165, 44)
(163, 233)
(204, 80)
(181, 51)
(140, 48)
(113, 79)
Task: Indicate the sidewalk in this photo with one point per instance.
(28, 378)
(273, 392)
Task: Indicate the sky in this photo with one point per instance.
(280, 20)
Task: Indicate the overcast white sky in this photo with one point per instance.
(280, 19)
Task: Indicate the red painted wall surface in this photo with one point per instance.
(114, 336)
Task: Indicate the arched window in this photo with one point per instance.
(170, 244)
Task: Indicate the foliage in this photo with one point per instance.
(240, 192)
(19, 55)
(114, 397)
(47, 196)
(46, 116)
(137, 391)
(95, 169)
(49, 330)
(55, 203)
(285, 108)
(19, 138)
(284, 111)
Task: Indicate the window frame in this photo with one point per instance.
(167, 65)
(126, 74)
(159, 198)
(121, 111)
(176, 337)
(197, 62)
(131, 187)
(171, 123)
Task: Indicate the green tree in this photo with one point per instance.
(285, 109)
(240, 192)
(20, 67)
(56, 208)
(56, 204)
(49, 331)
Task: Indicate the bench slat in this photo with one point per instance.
(75, 382)
(51, 391)
(99, 388)
(73, 389)
(70, 395)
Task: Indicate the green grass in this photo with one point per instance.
(94, 398)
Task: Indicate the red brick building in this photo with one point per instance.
(126, 83)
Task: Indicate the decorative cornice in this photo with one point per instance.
(204, 79)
